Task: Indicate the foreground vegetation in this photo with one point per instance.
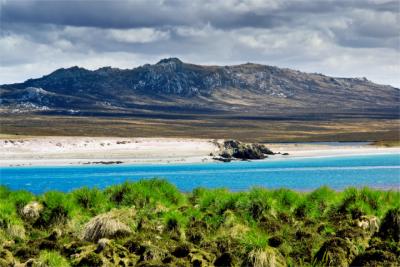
(151, 223)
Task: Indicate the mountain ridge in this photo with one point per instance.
(171, 83)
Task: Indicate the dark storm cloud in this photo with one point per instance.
(338, 37)
(155, 13)
(103, 14)
(229, 14)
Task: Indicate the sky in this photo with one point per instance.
(341, 38)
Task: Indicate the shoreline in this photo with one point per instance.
(72, 163)
(102, 151)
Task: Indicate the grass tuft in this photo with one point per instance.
(51, 259)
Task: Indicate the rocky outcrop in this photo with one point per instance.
(232, 149)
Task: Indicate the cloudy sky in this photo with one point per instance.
(343, 38)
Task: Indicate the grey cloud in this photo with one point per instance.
(103, 14)
(226, 15)
(154, 13)
(310, 35)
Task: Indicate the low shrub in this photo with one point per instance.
(20, 198)
(7, 214)
(319, 201)
(286, 200)
(57, 208)
(145, 192)
(259, 200)
(215, 200)
(254, 240)
(175, 220)
(258, 227)
(92, 200)
(390, 227)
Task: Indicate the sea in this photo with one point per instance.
(301, 174)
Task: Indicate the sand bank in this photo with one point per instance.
(59, 151)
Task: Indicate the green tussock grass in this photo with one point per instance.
(51, 259)
(163, 226)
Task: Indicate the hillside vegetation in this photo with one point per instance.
(210, 127)
(151, 223)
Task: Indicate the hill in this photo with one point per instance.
(174, 87)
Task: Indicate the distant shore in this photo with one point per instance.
(62, 151)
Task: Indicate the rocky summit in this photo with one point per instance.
(174, 86)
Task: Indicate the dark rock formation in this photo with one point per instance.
(232, 149)
(223, 159)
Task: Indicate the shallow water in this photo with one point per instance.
(329, 143)
(378, 171)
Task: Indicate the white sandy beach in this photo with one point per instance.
(322, 150)
(59, 151)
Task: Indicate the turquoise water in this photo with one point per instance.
(378, 171)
